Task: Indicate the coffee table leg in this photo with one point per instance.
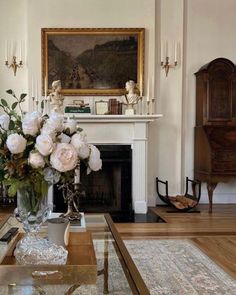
(72, 289)
(105, 285)
(104, 271)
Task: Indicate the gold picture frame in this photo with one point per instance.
(101, 107)
(92, 61)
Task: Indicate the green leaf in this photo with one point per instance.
(12, 190)
(11, 125)
(4, 103)
(9, 91)
(14, 105)
(22, 96)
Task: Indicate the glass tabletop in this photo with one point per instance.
(116, 271)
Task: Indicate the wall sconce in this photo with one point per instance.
(165, 61)
(10, 50)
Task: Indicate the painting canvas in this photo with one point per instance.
(93, 61)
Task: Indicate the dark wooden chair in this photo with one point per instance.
(182, 203)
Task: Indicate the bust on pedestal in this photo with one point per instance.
(131, 98)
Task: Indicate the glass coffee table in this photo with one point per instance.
(102, 267)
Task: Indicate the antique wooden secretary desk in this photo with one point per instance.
(215, 130)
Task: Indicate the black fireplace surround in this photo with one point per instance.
(108, 190)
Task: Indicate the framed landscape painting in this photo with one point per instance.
(92, 61)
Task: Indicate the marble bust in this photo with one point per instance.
(56, 98)
(131, 98)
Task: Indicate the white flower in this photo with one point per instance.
(36, 160)
(4, 122)
(44, 144)
(71, 125)
(64, 157)
(79, 141)
(64, 138)
(83, 151)
(51, 175)
(55, 121)
(31, 123)
(49, 130)
(16, 143)
(95, 163)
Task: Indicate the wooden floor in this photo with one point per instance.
(214, 234)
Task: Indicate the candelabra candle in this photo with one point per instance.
(148, 107)
(153, 106)
(33, 98)
(77, 173)
(141, 106)
(37, 104)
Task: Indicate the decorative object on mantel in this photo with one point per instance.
(165, 56)
(150, 100)
(55, 98)
(37, 151)
(101, 107)
(131, 98)
(78, 107)
(10, 55)
(114, 107)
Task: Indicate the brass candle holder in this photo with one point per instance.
(166, 65)
(14, 65)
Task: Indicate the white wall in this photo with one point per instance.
(205, 30)
(12, 28)
(209, 34)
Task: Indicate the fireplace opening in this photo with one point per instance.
(107, 190)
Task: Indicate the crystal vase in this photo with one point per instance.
(32, 211)
(32, 208)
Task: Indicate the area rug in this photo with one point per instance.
(168, 267)
(178, 267)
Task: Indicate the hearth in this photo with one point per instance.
(108, 190)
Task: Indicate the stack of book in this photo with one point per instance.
(73, 109)
(115, 107)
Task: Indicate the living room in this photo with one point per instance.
(161, 135)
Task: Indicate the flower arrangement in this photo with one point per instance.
(36, 150)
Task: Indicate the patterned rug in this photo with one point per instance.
(177, 267)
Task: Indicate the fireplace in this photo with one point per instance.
(107, 190)
(122, 131)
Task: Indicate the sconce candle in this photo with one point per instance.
(175, 54)
(148, 91)
(10, 49)
(165, 62)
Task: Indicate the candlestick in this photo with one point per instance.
(153, 106)
(77, 173)
(148, 107)
(20, 51)
(45, 87)
(167, 48)
(162, 51)
(6, 50)
(148, 89)
(175, 53)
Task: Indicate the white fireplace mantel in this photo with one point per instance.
(122, 129)
(116, 118)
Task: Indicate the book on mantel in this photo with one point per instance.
(77, 110)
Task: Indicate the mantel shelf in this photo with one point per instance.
(115, 118)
